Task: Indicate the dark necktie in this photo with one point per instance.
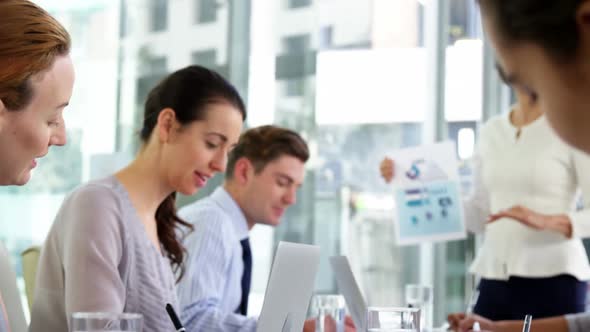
(246, 277)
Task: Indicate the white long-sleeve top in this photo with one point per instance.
(539, 171)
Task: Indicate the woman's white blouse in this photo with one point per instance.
(539, 171)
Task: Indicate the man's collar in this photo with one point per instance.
(228, 204)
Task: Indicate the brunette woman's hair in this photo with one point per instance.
(188, 92)
(550, 24)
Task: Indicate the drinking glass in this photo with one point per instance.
(420, 296)
(392, 319)
(329, 311)
(104, 321)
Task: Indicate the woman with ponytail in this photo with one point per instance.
(114, 245)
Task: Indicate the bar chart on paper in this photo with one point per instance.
(427, 195)
(429, 212)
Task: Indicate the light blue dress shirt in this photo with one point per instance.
(211, 290)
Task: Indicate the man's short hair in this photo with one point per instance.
(265, 144)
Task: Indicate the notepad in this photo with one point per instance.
(290, 287)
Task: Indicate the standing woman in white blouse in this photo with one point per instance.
(36, 81)
(526, 181)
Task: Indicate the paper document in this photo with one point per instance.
(427, 195)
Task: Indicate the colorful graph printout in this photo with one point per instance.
(427, 195)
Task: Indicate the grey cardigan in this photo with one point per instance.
(98, 257)
(3, 318)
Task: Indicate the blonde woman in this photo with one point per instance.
(36, 80)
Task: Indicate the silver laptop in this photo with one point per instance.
(350, 290)
(289, 288)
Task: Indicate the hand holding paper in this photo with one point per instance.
(427, 196)
(387, 169)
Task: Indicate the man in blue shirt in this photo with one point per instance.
(264, 171)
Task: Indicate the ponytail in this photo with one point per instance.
(169, 226)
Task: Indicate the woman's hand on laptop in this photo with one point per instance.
(349, 324)
(309, 325)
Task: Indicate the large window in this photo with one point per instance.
(358, 79)
(158, 15)
(206, 58)
(299, 3)
(295, 52)
(362, 96)
(206, 11)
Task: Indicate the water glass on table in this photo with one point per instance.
(103, 322)
(393, 319)
(420, 297)
(329, 311)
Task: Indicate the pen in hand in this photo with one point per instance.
(527, 323)
(177, 324)
(476, 327)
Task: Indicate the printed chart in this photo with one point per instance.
(427, 195)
